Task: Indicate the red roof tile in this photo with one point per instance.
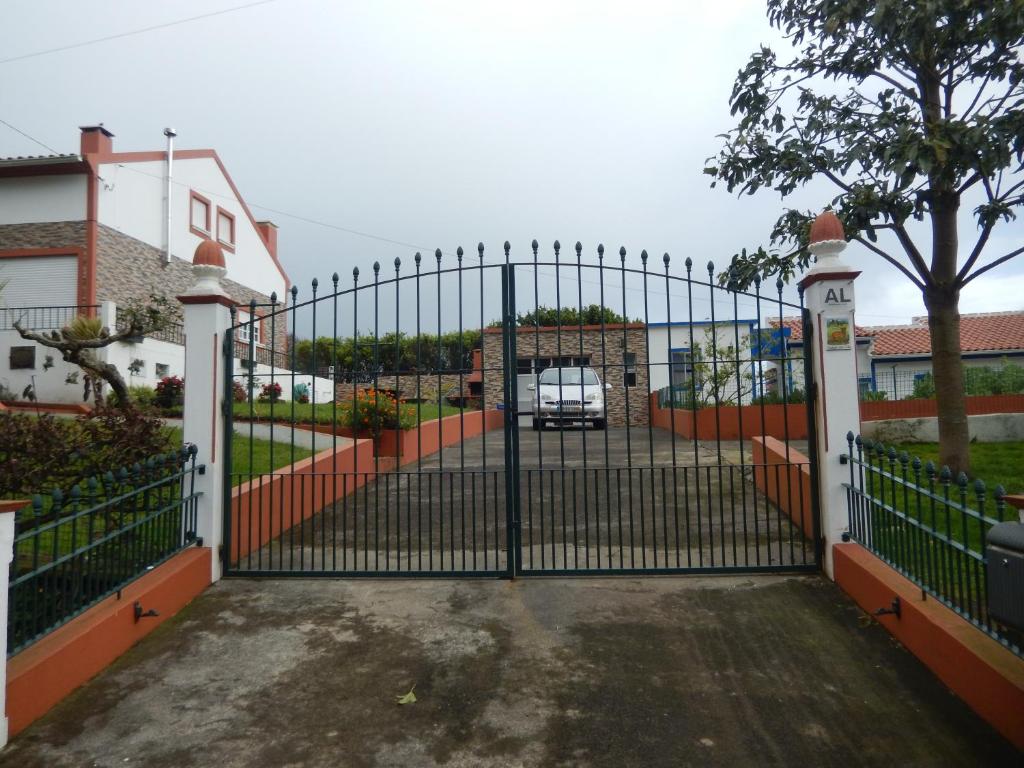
(981, 332)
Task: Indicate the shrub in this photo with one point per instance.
(39, 453)
(373, 411)
(300, 393)
(238, 393)
(270, 393)
(170, 392)
(877, 396)
(775, 398)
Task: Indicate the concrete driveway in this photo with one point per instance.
(543, 672)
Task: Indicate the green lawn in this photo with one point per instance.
(284, 454)
(324, 413)
(994, 463)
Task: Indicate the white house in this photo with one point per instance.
(676, 348)
(84, 233)
(891, 359)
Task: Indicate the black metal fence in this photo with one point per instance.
(928, 525)
(583, 483)
(74, 548)
(43, 318)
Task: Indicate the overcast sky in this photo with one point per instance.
(439, 124)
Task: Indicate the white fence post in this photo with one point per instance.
(207, 317)
(6, 555)
(829, 297)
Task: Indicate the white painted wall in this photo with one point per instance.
(38, 199)
(51, 385)
(662, 338)
(131, 200)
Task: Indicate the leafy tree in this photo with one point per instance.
(720, 374)
(548, 317)
(78, 341)
(904, 107)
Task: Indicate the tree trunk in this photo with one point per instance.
(948, 370)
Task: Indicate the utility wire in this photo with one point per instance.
(143, 30)
(30, 138)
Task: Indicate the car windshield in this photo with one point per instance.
(569, 376)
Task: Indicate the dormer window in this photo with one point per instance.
(199, 221)
(225, 229)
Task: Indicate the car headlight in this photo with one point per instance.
(594, 397)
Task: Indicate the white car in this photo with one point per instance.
(568, 395)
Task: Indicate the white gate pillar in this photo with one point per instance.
(8, 510)
(207, 318)
(829, 297)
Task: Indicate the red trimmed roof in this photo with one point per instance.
(981, 332)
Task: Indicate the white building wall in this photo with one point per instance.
(131, 201)
(39, 199)
(662, 338)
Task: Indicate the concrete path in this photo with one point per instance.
(282, 433)
(542, 672)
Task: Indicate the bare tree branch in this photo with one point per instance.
(875, 249)
(994, 264)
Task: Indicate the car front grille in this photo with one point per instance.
(570, 403)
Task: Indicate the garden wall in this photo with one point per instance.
(987, 676)
(411, 444)
(270, 504)
(784, 476)
(774, 420)
(47, 671)
(725, 425)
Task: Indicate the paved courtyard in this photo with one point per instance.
(664, 671)
(589, 500)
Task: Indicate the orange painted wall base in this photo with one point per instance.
(47, 671)
(977, 668)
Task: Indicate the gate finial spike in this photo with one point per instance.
(558, 247)
(334, 279)
(779, 284)
(622, 252)
(508, 247)
(316, 284)
(252, 307)
(458, 253)
(398, 263)
(417, 258)
(711, 268)
(376, 269)
(355, 273)
(295, 291)
(643, 257)
(437, 255)
(579, 248)
(600, 251)
(480, 249)
(534, 245)
(666, 259)
(688, 263)
(273, 297)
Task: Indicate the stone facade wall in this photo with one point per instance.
(617, 397)
(128, 269)
(51, 234)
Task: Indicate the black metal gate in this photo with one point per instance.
(504, 418)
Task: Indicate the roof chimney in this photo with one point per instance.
(96, 140)
(268, 231)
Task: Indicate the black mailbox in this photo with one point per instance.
(1005, 553)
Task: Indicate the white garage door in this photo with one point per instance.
(39, 281)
